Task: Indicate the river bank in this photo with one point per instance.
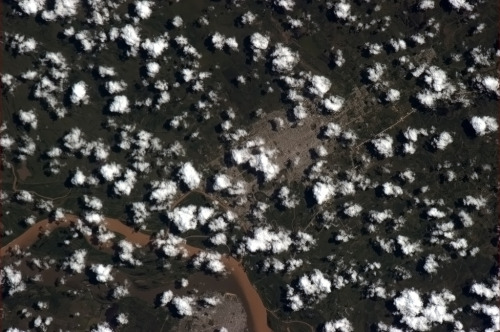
(254, 307)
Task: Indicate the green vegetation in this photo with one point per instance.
(258, 122)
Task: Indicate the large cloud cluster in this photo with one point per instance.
(488, 292)
(419, 317)
(21, 44)
(263, 239)
(492, 311)
(189, 217)
(438, 87)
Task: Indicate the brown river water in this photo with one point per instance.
(254, 307)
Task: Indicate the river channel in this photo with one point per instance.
(254, 307)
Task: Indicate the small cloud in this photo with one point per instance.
(28, 118)
(319, 85)
(323, 192)
(102, 327)
(285, 4)
(461, 4)
(76, 262)
(392, 95)
(13, 279)
(383, 146)
(102, 272)
(426, 4)
(283, 59)
(483, 125)
(143, 9)
(115, 86)
(340, 325)
(177, 21)
(166, 297)
(31, 7)
(184, 217)
(342, 10)
(152, 68)
(110, 171)
(130, 36)
(333, 104)
(79, 93)
(442, 141)
(183, 305)
(120, 104)
(189, 176)
(248, 18)
(209, 261)
(155, 47)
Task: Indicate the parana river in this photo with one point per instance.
(254, 307)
